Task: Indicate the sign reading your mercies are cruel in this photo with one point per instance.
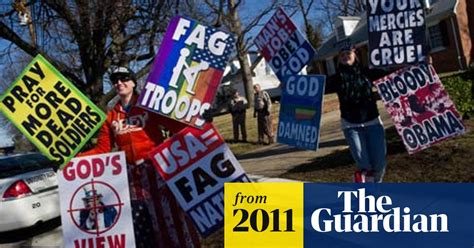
(420, 107)
(187, 71)
(55, 116)
(396, 32)
(195, 163)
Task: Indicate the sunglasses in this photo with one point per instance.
(122, 78)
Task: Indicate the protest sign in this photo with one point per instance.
(300, 111)
(283, 46)
(396, 32)
(195, 163)
(95, 202)
(187, 71)
(420, 107)
(53, 114)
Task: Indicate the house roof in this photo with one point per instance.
(438, 11)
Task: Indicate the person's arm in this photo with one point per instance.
(332, 83)
(105, 141)
(268, 101)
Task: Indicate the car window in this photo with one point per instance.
(14, 165)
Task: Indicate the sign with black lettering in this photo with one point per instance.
(300, 111)
(187, 71)
(283, 46)
(195, 163)
(50, 111)
(95, 202)
(420, 107)
(396, 32)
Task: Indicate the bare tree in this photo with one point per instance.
(83, 38)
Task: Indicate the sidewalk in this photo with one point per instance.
(273, 161)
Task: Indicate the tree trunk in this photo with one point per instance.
(246, 77)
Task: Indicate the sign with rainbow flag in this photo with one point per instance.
(300, 111)
(187, 71)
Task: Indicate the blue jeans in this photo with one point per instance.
(368, 148)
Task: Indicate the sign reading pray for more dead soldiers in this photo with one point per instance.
(396, 32)
(53, 114)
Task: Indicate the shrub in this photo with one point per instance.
(460, 89)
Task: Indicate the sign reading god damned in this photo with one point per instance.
(396, 32)
(55, 116)
(187, 71)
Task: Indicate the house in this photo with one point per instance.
(449, 33)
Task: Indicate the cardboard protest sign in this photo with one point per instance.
(195, 163)
(420, 107)
(283, 46)
(53, 114)
(187, 71)
(95, 202)
(300, 111)
(396, 32)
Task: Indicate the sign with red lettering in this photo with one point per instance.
(195, 163)
(283, 46)
(95, 202)
(420, 107)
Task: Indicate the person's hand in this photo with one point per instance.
(429, 59)
(207, 115)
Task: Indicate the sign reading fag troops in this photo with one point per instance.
(300, 111)
(419, 106)
(283, 45)
(55, 116)
(195, 163)
(187, 71)
(95, 202)
(396, 32)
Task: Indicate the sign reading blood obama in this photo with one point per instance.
(95, 202)
(396, 32)
(420, 107)
(300, 111)
(283, 45)
(195, 163)
(187, 71)
(53, 114)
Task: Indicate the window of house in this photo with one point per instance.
(438, 36)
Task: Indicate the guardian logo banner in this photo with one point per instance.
(396, 32)
(349, 215)
(187, 71)
(420, 107)
(283, 45)
(195, 163)
(95, 202)
(300, 111)
(50, 111)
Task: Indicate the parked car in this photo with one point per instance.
(28, 191)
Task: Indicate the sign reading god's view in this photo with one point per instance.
(283, 45)
(396, 32)
(420, 107)
(195, 163)
(95, 202)
(187, 71)
(52, 113)
(300, 111)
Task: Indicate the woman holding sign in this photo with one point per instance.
(360, 120)
(158, 220)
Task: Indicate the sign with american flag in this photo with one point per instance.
(195, 164)
(300, 111)
(187, 71)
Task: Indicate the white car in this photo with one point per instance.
(28, 191)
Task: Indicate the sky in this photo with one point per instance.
(249, 9)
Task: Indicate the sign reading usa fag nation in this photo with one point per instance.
(195, 163)
(420, 107)
(300, 111)
(187, 71)
(283, 45)
(95, 202)
(53, 114)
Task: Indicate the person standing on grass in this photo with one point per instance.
(360, 119)
(158, 220)
(238, 109)
(263, 112)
